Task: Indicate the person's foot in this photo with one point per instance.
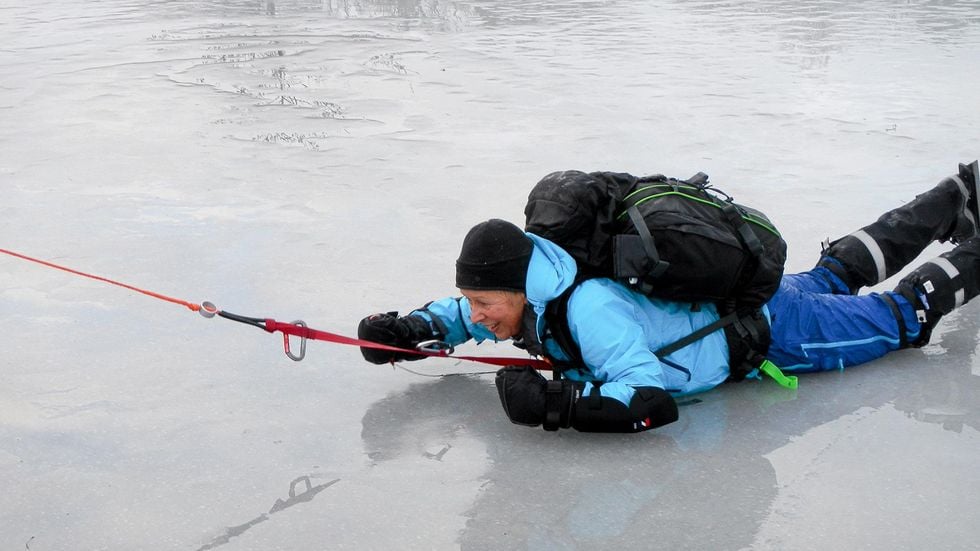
(968, 221)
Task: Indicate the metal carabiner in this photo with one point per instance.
(302, 343)
(435, 346)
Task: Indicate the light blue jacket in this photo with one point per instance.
(616, 328)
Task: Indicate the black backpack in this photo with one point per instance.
(679, 240)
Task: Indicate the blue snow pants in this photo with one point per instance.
(817, 325)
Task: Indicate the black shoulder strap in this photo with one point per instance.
(745, 233)
(556, 316)
(697, 335)
(649, 246)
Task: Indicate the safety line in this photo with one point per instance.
(191, 305)
(297, 328)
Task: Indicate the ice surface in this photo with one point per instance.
(322, 159)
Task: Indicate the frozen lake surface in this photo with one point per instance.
(322, 160)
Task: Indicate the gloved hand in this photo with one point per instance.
(530, 399)
(403, 332)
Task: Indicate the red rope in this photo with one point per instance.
(192, 306)
(272, 325)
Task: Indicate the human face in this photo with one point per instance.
(502, 312)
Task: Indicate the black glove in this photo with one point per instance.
(531, 399)
(402, 332)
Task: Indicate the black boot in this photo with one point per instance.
(941, 285)
(968, 222)
(878, 251)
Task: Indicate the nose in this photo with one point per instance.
(476, 314)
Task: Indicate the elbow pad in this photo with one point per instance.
(650, 407)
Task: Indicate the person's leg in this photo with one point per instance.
(814, 329)
(949, 211)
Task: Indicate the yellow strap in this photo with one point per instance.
(777, 375)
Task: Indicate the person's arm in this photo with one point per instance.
(528, 398)
(454, 314)
(446, 320)
(628, 395)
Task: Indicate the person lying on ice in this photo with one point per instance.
(817, 320)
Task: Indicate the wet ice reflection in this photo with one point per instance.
(297, 494)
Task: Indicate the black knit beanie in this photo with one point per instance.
(495, 256)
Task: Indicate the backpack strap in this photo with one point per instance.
(696, 335)
(556, 316)
(745, 233)
(659, 266)
(742, 333)
(748, 339)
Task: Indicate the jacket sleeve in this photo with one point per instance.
(453, 313)
(627, 392)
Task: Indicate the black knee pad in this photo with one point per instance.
(850, 259)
